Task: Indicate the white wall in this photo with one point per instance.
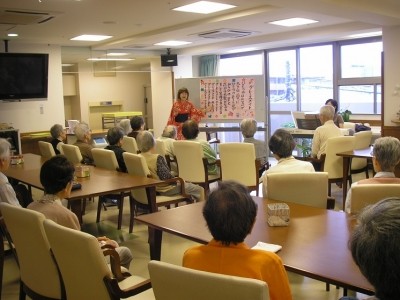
(26, 115)
(161, 94)
(391, 49)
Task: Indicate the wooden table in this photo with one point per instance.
(347, 156)
(314, 244)
(100, 182)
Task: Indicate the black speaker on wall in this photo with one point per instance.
(169, 60)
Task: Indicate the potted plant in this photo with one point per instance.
(346, 115)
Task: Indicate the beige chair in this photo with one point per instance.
(83, 268)
(303, 188)
(39, 275)
(362, 140)
(160, 148)
(192, 166)
(136, 165)
(172, 282)
(46, 149)
(332, 163)
(129, 144)
(238, 162)
(363, 195)
(72, 153)
(106, 159)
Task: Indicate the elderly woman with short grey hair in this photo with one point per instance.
(125, 125)
(58, 135)
(386, 155)
(249, 128)
(84, 142)
(159, 169)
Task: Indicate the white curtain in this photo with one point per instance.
(209, 65)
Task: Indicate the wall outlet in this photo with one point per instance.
(41, 109)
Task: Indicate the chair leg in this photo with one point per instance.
(327, 287)
(329, 189)
(22, 294)
(132, 213)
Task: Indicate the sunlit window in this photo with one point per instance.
(241, 65)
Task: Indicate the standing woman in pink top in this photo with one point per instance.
(183, 110)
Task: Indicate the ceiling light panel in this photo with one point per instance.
(172, 43)
(204, 7)
(91, 37)
(293, 22)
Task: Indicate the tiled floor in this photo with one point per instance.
(172, 251)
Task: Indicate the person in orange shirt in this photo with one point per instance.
(230, 213)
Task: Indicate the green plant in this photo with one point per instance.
(345, 115)
(288, 125)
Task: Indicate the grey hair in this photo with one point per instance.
(387, 152)
(56, 130)
(145, 141)
(169, 132)
(248, 127)
(5, 147)
(374, 245)
(81, 130)
(327, 111)
(125, 125)
(281, 143)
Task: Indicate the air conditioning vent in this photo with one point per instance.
(224, 34)
(24, 17)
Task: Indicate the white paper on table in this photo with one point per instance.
(267, 247)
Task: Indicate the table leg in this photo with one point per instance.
(346, 165)
(155, 239)
(76, 208)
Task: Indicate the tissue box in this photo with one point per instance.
(278, 214)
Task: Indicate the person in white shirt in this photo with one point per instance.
(281, 145)
(7, 193)
(324, 132)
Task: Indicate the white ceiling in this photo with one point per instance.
(136, 24)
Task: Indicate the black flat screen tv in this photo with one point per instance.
(169, 60)
(23, 76)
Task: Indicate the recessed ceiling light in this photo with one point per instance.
(116, 54)
(365, 34)
(172, 43)
(109, 59)
(242, 50)
(204, 7)
(293, 22)
(12, 34)
(67, 65)
(91, 37)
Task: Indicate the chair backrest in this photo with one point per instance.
(362, 140)
(136, 165)
(334, 164)
(363, 195)
(46, 149)
(72, 153)
(37, 268)
(189, 157)
(349, 125)
(129, 144)
(160, 147)
(105, 159)
(238, 162)
(80, 260)
(303, 188)
(171, 282)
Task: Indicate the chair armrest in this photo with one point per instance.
(115, 290)
(115, 262)
(182, 183)
(330, 203)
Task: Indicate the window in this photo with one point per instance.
(244, 64)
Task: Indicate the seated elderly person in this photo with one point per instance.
(56, 176)
(281, 144)
(84, 142)
(375, 244)
(249, 128)
(114, 138)
(125, 125)
(230, 213)
(386, 155)
(159, 169)
(168, 137)
(324, 132)
(137, 125)
(190, 131)
(58, 135)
